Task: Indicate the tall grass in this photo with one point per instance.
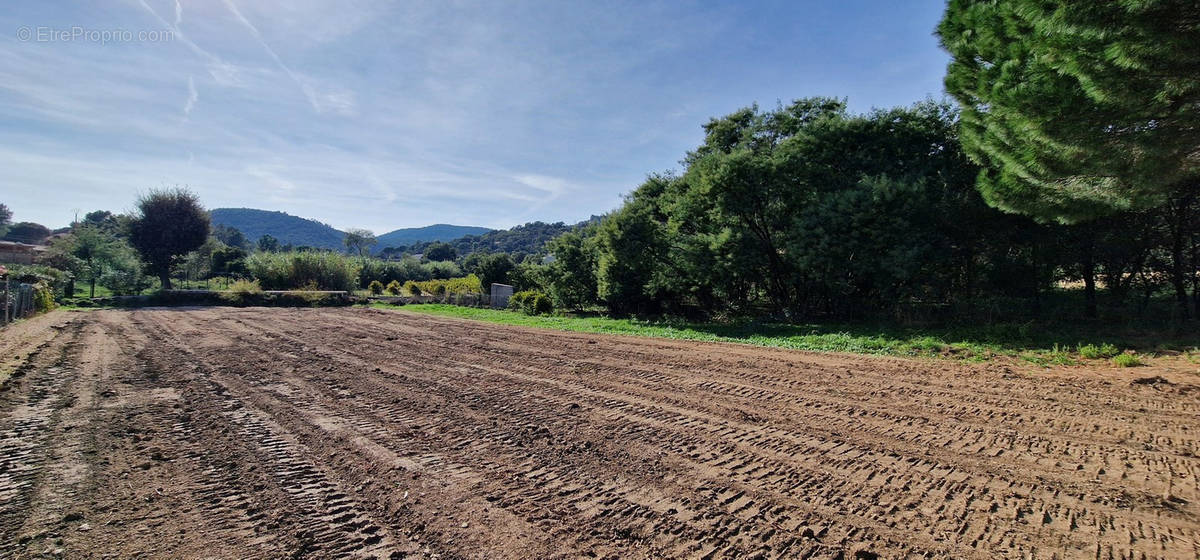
(468, 284)
(304, 270)
(405, 270)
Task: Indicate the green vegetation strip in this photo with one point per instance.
(970, 344)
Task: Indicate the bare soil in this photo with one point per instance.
(269, 433)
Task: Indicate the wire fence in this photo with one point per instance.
(17, 301)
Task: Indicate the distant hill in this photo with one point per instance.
(436, 232)
(525, 238)
(280, 225)
(304, 232)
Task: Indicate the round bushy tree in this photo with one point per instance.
(167, 224)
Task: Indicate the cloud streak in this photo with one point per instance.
(414, 113)
(192, 98)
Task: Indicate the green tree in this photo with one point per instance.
(747, 170)
(811, 210)
(198, 264)
(91, 248)
(27, 232)
(492, 268)
(102, 219)
(440, 269)
(167, 224)
(630, 247)
(1077, 109)
(229, 261)
(528, 275)
(230, 236)
(439, 251)
(5, 219)
(359, 241)
(268, 244)
(123, 272)
(572, 274)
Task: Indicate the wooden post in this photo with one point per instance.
(6, 308)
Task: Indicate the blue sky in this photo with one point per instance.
(382, 115)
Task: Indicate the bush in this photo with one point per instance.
(468, 284)
(541, 305)
(1127, 359)
(517, 301)
(376, 287)
(291, 270)
(123, 275)
(246, 287)
(51, 277)
(1094, 352)
(394, 287)
(125, 282)
(43, 299)
(531, 302)
(441, 270)
(243, 292)
(391, 271)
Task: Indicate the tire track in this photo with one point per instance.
(362, 433)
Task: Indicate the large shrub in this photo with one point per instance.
(123, 274)
(376, 287)
(531, 302)
(387, 272)
(43, 299)
(39, 275)
(125, 281)
(412, 288)
(468, 284)
(243, 292)
(294, 270)
(441, 269)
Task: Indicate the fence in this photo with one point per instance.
(18, 302)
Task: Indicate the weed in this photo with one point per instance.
(1094, 352)
(245, 287)
(1126, 359)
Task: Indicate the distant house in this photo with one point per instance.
(18, 253)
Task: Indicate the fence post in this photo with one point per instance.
(6, 313)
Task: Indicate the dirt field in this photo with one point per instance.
(239, 433)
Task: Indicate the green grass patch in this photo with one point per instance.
(1126, 360)
(1027, 342)
(1097, 351)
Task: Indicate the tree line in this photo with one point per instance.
(808, 211)
(1071, 160)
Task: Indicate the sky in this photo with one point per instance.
(386, 115)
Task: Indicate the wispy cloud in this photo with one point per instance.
(391, 115)
(341, 102)
(192, 98)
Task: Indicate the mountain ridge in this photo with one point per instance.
(434, 232)
(297, 231)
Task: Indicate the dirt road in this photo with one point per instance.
(266, 433)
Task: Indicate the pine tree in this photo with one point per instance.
(1077, 109)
